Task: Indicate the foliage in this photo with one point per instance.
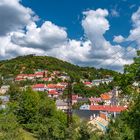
(82, 90)
(126, 126)
(30, 63)
(37, 114)
(9, 127)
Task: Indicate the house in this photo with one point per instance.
(106, 98)
(40, 74)
(53, 94)
(39, 87)
(95, 101)
(64, 77)
(62, 105)
(100, 123)
(4, 89)
(108, 108)
(82, 100)
(46, 79)
(107, 80)
(31, 76)
(64, 84)
(57, 87)
(85, 107)
(22, 76)
(97, 82)
(4, 99)
(51, 87)
(74, 99)
(89, 84)
(60, 87)
(19, 79)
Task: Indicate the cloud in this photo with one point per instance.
(118, 39)
(114, 13)
(10, 50)
(134, 34)
(102, 53)
(23, 36)
(14, 16)
(48, 36)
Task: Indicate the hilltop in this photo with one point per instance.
(30, 63)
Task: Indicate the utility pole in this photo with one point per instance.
(69, 102)
(113, 100)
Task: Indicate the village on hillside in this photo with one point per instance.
(96, 110)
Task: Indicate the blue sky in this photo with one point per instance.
(68, 13)
(99, 33)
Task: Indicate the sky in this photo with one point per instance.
(98, 33)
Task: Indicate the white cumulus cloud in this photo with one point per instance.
(20, 35)
(118, 39)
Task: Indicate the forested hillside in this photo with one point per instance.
(29, 63)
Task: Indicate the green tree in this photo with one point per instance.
(9, 127)
(126, 126)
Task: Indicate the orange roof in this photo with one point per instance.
(105, 97)
(51, 86)
(55, 86)
(108, 108)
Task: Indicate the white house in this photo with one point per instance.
(62, 105)
(4, 89)
(39, 87)
(85, 107)
(97, 82)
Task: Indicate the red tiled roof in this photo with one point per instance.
(19, 79)
(31, 75)
(55, 86)
(51, 86)
(45, 79)
(54, 92)
(39, 73)
(88, 83)
(108, 108)
(39, 86)
(22, 75)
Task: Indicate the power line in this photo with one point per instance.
(114, 54)
(121, 56)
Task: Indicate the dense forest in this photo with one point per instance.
(33, 116)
